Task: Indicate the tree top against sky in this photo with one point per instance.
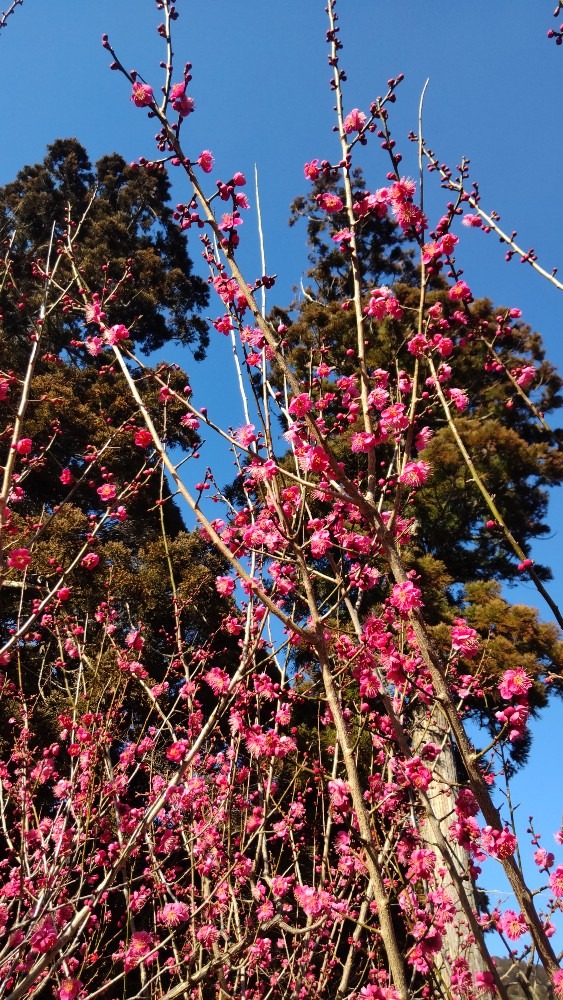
(498, 58)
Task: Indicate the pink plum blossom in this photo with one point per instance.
(44, 937)
(90, 560)
(320, 543)
(395, 418)
(24, 446)
(224, 585)
(373, 204)
(459, 399)
(261, 472)
(115, 334)
(513, 925)
(423, 438)
(339, 792)
(93, 312)
(331, 203)
(314, 459)
(406, 597)
(69, 989)
(142, 95)
(180, 101)
(421, 863)
(525, 376)
(464, 639)
(177, 750)
(300, 405)
(173, 914)
(19, 558)
(311, 170)
(414, 473)
(362, 441)
(139, 947)
(460, 292)
(514, 683)
(472, 221)
(556, 882)
(107, 492)
(417, 345)
(206, 161)
(544, 859)
(383, 303)
(246, 435)
(485, 983)
(354, 121)
(407, 214)
(218, 680)
(310, 900)
(93, 346)
(557, 981)
(401, 189)
(498, 843)
(143, 438)
(229, 220)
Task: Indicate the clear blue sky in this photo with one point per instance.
(262, 96)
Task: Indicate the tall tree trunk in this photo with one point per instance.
(459, 939)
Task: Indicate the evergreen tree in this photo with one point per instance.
(83, 429)
(517, 457)
(128, 244)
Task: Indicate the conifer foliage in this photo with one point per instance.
(126, 233)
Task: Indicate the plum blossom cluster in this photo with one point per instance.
(399, 197)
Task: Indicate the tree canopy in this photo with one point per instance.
(84, 428)
(128, 244)
(518, 458)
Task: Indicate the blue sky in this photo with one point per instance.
(262, 96)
